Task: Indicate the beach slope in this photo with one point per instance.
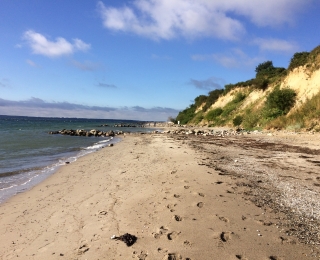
(150, 186)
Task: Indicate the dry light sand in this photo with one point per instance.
(150, 186)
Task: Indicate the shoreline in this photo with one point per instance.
(38, 174)
(171, 191)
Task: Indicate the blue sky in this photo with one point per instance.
(140, 59)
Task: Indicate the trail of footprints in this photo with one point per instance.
(224, 237)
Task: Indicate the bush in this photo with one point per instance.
(250, 120)
(186, 115)
(239, 97)
(279, 102)
(213, 114)
(212, 98)
(229, 87)
(228, 109)
(237, 120)
(298, 59)
(197, 118)
(267, 65)
(261, 83)
(198, 101)
(267, 70)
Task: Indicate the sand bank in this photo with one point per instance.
(177, 200)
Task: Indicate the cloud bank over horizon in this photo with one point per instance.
(38, 107)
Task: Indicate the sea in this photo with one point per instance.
(29, 154)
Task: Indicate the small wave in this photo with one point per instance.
(18, 181)
(9, 187)
(19, 172)
(98, 145)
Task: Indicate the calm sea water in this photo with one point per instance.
(28, 154)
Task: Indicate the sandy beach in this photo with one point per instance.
(183, 197)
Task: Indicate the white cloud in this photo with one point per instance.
(235, 58)
(275, 45)
(41, 45)
(167, 19)
(265, 12)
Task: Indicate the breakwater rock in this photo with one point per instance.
(81, 132)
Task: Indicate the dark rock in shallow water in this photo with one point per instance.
(80, 132)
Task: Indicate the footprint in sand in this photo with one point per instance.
(161, 250)
(176, 196)
(200, 204)
(273, 257)
(186, 187)
(102, 213)
(162, 231)
(224, 219)
(241, 257)
(172, 257)
(141, 256)
(177, 218)
(225, 236)
(82, 249)
(171, 206)
(187, 243)
(173, 235)
(201, 194)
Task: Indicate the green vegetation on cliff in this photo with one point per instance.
(260, 102)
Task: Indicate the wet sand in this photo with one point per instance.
(183, 197)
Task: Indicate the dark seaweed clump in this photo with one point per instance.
(128, 239)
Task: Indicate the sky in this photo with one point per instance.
(140, 59)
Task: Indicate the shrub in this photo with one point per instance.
(197, 118)
(229, 87)
(212, 98)
(260, 83)
(267, 65)
(237, 120)
(298, 59)
(266, 69)
(239, 97)
(250, 120)
(198, 101)
(186, 115)
(280, 101)
(213, 114)
(228, 109)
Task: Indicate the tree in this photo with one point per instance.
(267, 65)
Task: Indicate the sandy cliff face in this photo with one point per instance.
(304, 83)
(223, 100)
